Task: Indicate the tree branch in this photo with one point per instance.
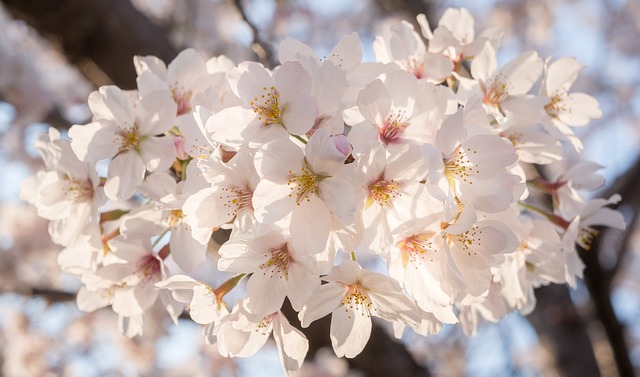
(383, 356)
(562, 330)
(595, 280)
(628, 186)
(52, 295)
(259, 46)
(598, 279)
(409, 7)
(108, 33)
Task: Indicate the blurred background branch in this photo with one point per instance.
(99, 36)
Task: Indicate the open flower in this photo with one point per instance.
(455, 36)
(393, 193)
(566, 109)
(504, 91)
(400, 110)
(277, 268)
(353, 295)
(475, 167)
(185, 79)
(403, 48)
(419, 263)
(272, 106)
(474, 249)
(242, 334)
(67, 192)
(128, 132)
(227, 201)
(311, 185)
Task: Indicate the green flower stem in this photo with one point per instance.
(227, 287)
(112, 215)
(555, 219)
(300, 138)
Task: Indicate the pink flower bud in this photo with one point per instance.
(178, 143)
(342, 145)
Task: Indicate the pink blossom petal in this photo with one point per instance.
(111, 103)
(125, 175)
(350, 331)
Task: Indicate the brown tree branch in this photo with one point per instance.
(52, 295)
(596, 281)
(599, 280)
(382, 357)
(259, 46)
(96, 34)
(409, 7)
(563, 332)
(628, 186)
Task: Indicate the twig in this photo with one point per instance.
(627, 185)
(108, 33)
(259, 46)
(52, 295)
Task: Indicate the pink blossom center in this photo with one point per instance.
(393, 128)
(236, 199)
(382, 191)
(267, 106)
(148, 268)
(416, 68)
(78, 191)
(555, 106)
(460, 166)
(182, 99)
(496, 93)
(303, 185)
(357, 300)
(278, 262)
(468, 241)
(415, 247)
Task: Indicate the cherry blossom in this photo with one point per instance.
(504, 92)
(128, 133)
(402, 189)
(475, 167)
(399, 111)
(272, 106)
(277, 268)
(566, 109)
(402, 46)
(421, 266)
(185, 79)
(67, 193)
(227, 202)
(392, 193)
(242, 334)
(455, 37)
(309, 184)
(353, 295)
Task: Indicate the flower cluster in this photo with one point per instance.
(420, 160)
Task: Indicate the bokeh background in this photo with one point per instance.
(54, 53)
